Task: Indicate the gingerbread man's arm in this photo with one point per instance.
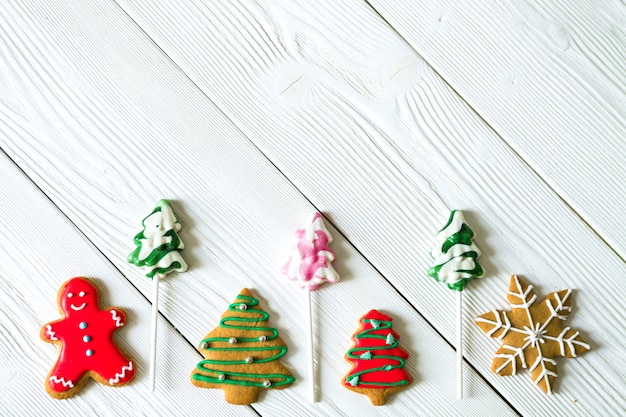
(118, 317)
(53, 331)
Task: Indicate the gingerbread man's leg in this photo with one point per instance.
(117, 370)
(63, 378)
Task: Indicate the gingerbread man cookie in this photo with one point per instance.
(85, 334)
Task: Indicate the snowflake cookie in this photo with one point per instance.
(532, 334)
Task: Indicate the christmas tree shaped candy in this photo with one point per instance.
(456, 264)
(158, 245)
(310, 265)
(377, 360)
(158, 253)
(242, 354)
(455, 254)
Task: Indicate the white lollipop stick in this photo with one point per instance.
(155, 316)
(158, 253)
(459, 345)
(456, 264)
(310, 343)
(310, 265)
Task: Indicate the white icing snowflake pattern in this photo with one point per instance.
(533, 337)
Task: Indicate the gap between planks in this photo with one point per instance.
(111, 263)
(196, 86)
(497, 133)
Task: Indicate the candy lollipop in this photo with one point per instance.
(456, 264)
(158, 253)
(310, 265)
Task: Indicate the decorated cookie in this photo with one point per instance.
(532, 334)
(157, 252)
(310, 261)
(242, 354)
(85, 335)
(455, 254)
(158, 245)
(377, 360)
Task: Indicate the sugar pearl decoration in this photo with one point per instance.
(232, 340)
(249, 359)
(243, 307)
(267, 383)
(221, 377)
(262, 339)
(204, 345)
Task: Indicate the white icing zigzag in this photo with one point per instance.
(525, 304)
(560, 306)
(62, 381)
(118, 319)
(498, 324)
(571, 341)
(545, 372)
(51, 334)
(122, 374)
(510, 358)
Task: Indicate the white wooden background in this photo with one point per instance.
(248, 115)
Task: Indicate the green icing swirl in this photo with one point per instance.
(463, 236)
(365, 334)
(270, 333)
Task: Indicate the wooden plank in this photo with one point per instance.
(549, 77)
(373, 136)
(105, 125)
(42, 250)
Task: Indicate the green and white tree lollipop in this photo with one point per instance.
(158, 253)
(456, 264)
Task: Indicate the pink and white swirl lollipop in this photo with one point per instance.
(310, 262)
(310, 265)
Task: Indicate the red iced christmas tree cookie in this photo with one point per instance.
(85, 335)
(377, 361)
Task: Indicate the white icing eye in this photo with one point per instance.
(81, 294)
(70, 295)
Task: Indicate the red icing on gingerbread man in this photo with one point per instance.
(85, 334)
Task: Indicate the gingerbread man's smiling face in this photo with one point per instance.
(78, 295)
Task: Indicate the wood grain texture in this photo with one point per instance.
(44, 250)
(549, 77)
(374, 137)
(105, 125)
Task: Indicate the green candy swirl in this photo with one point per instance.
(455, 254)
